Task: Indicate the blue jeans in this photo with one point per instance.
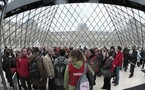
(117, 74)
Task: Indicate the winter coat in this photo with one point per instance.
(108, 63)
(39, 60)
(126, 55)
(133, 57)
(61, 58)
(93, 63)
(118, 59)
(48, 66)
(7, 64)
(112, 53)
(23, 66)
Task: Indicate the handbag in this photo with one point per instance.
(106, 73)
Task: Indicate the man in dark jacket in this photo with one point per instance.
(38, 83)
(133, 60)
(126, 57)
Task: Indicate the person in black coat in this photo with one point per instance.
(133, 60)
(8, 63)
(112, 53)
(126, 57)
(108, 63)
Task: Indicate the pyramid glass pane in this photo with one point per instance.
(74, 25)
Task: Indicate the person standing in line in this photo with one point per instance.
(93, 62)
(133, 60)
(8, 63)
(117, 62)
(143, 57)
(60, 62)
(126, 58)
(51, 83)
(23, 69)
(75, 69)
(138, 57)
(112, 53)
(48, 67)
(18, 55)
(38, 83)
(108, 65)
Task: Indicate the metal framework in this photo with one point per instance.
(85, 24)
(30, 23)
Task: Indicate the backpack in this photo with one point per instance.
(33, 68)
(83, 82)
(60, 69)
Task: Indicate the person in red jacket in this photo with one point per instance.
(23, 69)
(117, 64)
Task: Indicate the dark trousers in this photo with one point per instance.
(9, 77)
(143, 62)
(18, 78)
(125, 65)
(23, 83)
(138, 64)
(107, 84)
(51, 84)
(132, 70)
(95, 78)
(39, 88)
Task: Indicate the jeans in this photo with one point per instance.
(117, 74)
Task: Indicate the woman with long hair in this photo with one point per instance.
(75, 69)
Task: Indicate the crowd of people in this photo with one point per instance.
(60, 68)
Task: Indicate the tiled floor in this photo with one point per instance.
(125, 82)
